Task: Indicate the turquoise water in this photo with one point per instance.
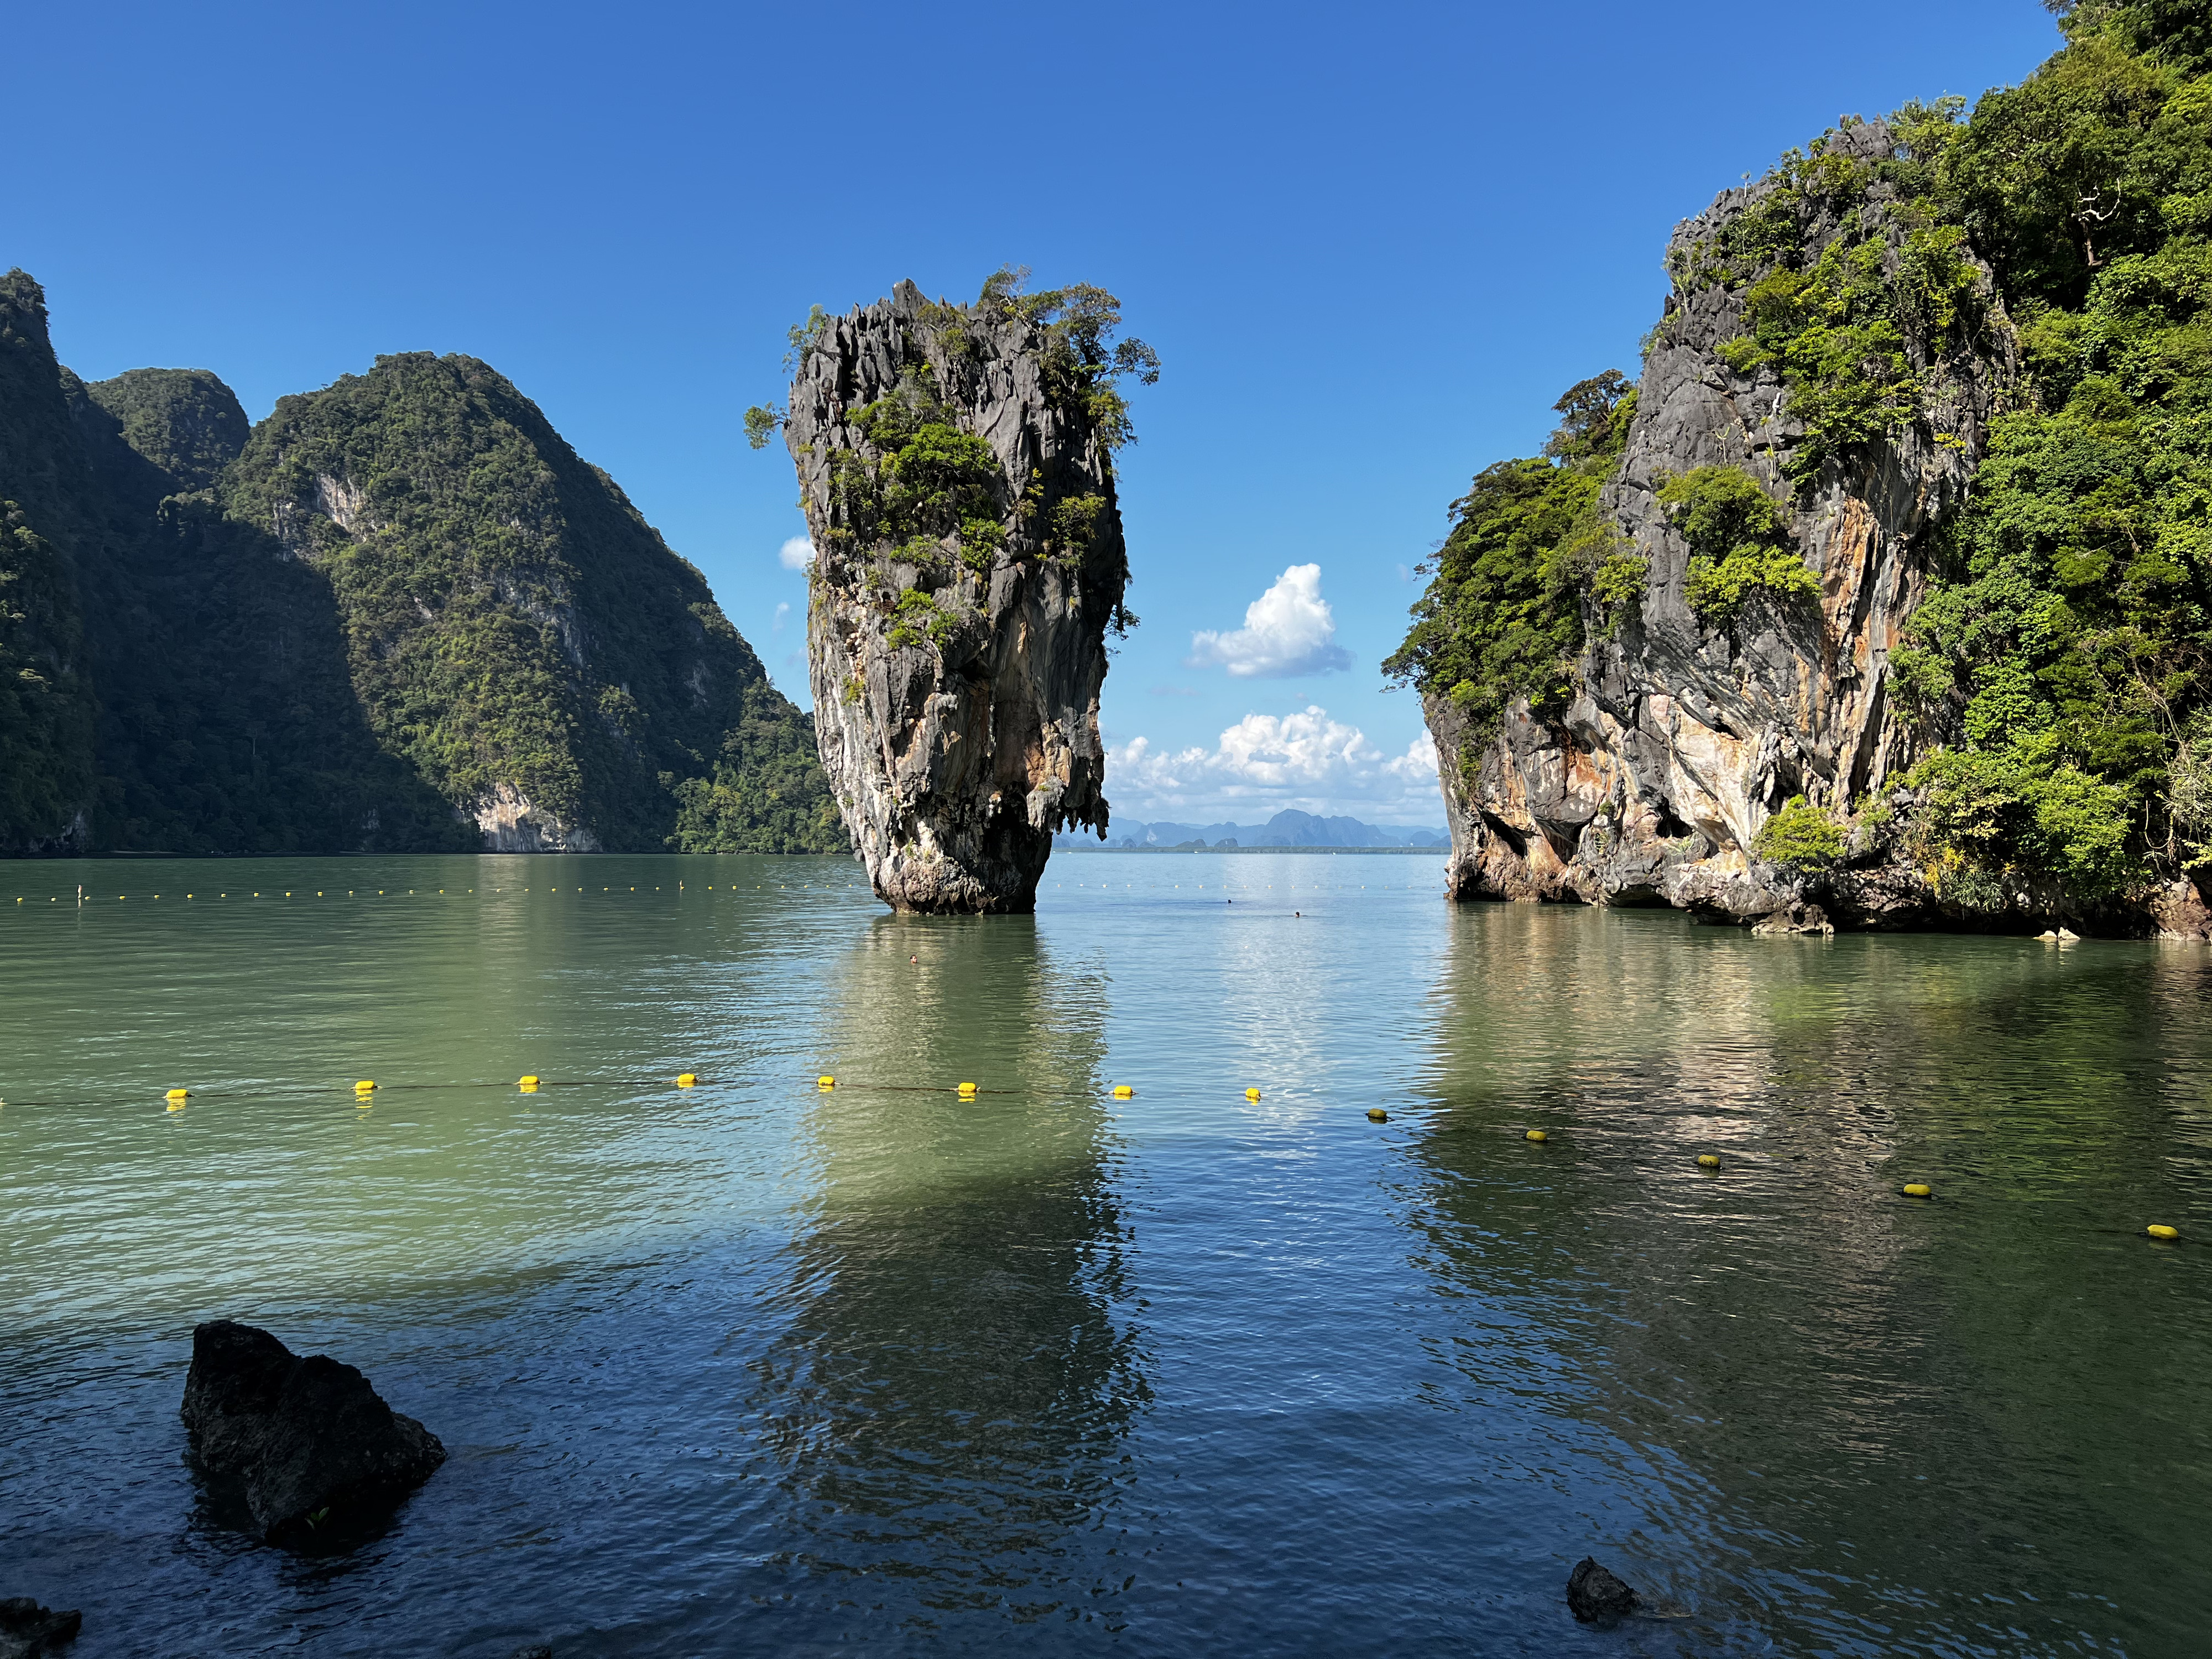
(752, 1367)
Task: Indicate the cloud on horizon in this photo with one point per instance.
(1289, 631)
(796, 554)
(1265, 762)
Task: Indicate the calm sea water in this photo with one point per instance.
(749, 1367)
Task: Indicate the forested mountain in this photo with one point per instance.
(401, 614)
(1887, 591)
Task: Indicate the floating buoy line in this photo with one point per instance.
(80, 899)
(366, 1090)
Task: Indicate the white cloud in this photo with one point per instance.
(796, 554)
(1288, 630)
(1305, 760)
(782, 610)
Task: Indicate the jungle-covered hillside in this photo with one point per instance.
(400, 614)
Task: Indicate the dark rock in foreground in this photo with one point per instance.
(28, 1630)
(1596, 1595)
(314, 1449)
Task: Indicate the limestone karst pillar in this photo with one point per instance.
(968, 562)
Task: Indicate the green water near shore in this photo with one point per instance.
(753, 1363)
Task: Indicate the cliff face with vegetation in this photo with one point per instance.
(47, 714)
(956, 466)
(1885, 598)
(515, 632)
(399, 614)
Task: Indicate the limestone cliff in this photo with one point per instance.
(1835, 364)
(1689, 731)
(959, 492)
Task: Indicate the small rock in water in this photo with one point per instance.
(539, 1651)
(1797, 918)
(1594, 1594)
(314, 1449)
(28, 1630)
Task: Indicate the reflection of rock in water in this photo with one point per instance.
(1762, 1375)
(949, 1393)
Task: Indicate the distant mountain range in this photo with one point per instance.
(1286, 828)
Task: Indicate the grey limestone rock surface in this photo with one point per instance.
(955, 661)
(1687, 735)
(311, 1447)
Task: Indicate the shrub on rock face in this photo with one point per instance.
(313, 1450)
(1800, 837)
(1740, 543)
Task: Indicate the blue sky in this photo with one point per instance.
(1370, 244)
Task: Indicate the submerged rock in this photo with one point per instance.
(956, 467)
(1595, 1594)
(28, 1630)
(311, 1447)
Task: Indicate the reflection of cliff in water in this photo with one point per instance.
(1788, 1373)
(949, 1397)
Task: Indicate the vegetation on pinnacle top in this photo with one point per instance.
(1084, 364)
(924, 492)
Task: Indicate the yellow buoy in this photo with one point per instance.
(2159, 1230)
(1377, 1115)
(1537, 1135)
(1708, 1161)
(1122, 1091)
(364, 1087)
(685, 1080)
(825, 1081)
(177, 1094)
(1251, 1094)
(527, 1082)
(1918, 1189)
(967, 1088)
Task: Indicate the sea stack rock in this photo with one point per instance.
(313, 1449)
(956, 467)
